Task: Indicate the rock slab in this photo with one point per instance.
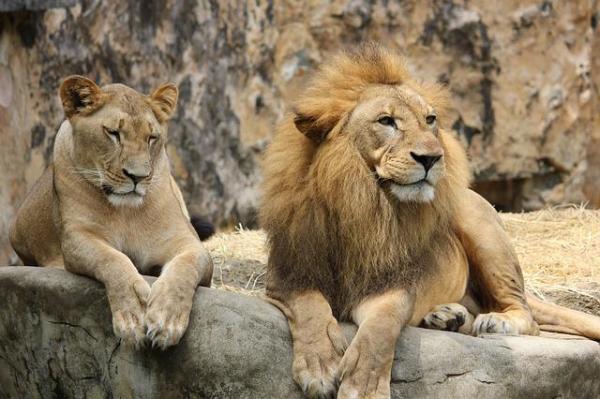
(56, 341)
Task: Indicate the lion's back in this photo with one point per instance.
(33, 233)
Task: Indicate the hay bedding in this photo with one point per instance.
(559, 251)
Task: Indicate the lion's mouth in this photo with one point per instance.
(132, 193)
(132, 198)
(416, 183)
(109, 190)
(419, 182)
(419, 191)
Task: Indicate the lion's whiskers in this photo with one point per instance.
(92, 175)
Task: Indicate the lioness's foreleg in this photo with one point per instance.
(127, 291)
(318, 342)
(495, 276)
(365, 369)
(172, 294)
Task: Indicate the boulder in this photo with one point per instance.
(56, 341)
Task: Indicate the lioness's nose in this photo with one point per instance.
(136, 177)
(426, 160)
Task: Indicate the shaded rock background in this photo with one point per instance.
(521, 75)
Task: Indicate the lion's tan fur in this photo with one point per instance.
(322, 204)
(369, 218)
(89, 215)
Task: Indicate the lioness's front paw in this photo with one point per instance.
(168, 313)
(365, 371)
(128, 307)
(449, 317)
(315, 362)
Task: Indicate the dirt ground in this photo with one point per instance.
(559, 251)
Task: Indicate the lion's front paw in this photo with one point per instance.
(315, 373)
(493, 323)
(168, 313)
(128, 306)
(365, 371)
(316, 362)
(449, 317)
(509, 323)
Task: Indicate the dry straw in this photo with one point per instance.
(559, 249)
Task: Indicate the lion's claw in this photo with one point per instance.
(168, 314)
(127, 309)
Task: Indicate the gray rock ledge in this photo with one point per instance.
(56, 341)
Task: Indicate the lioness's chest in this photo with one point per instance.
(144, 238)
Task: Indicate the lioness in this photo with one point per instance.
(370, 219)
(108, 208)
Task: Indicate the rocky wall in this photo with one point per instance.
(521, 74)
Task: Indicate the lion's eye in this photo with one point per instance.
(113, 134)
(152, 139)
(430, 119)
(387, 121)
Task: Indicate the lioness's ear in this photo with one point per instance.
(313, 128)
(164, 101)
(79, 95)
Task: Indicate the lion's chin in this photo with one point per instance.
(132, 199)
(417, 192)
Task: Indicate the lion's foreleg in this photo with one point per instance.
(172, 294)
(365, 370)
(318, 342)
(127, 291)
(495, 272)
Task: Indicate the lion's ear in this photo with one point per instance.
(315, 129)
(79, 95)
(164, 101)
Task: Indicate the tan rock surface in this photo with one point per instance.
(236, 346)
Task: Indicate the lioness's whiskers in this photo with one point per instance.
(90, 174)
(97, 185)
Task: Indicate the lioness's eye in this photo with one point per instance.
(387, 121)
(152, 139)
(430, 119)
(113, 134)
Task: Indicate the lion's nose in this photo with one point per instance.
(426, 160)
(135, 177)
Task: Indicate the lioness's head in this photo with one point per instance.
(394, 122)
(119, 135)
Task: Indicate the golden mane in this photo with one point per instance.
(330, 225)
(338, 84)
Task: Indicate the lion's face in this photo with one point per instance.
(118, 136)
(117, 150)
(396, 131)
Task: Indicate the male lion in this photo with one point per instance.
(370, 219)
(108, 207)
